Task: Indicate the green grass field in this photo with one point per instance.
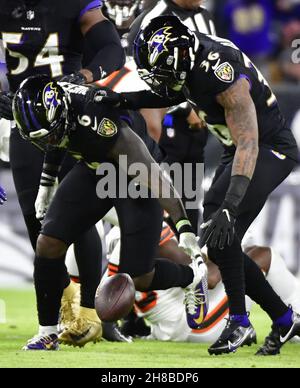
(21, 325)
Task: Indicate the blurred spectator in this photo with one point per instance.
(288, 17)
(248, 24)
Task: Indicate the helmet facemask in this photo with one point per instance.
(164, 58)
(121, 11)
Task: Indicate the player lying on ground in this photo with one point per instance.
(164, 310)
(239, 108)
(62, 115)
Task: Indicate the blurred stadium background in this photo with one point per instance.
(269, 32)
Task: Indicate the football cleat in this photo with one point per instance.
(70, 306)
(272, 344)
(39, 342)
(279, 336)
(233, 337)
(111, 332)
(85, 328)
(196, 295)
(287, 333)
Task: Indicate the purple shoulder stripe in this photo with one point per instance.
(91, 5)
(247, 78)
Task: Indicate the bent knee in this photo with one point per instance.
(142, 283)
(50, 247)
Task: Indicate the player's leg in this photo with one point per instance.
(140, 224)
(75, 208)
(26, 163)
(88, 254)
(284, 283)
(263, 183)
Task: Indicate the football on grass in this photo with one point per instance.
(115, 297)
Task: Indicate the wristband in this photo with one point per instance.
(238, 187)
(184, 226)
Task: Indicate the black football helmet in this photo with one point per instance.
(40, 111)
(120, 11)
(164, 52)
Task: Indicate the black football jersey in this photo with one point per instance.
(198, 20)
(218, 64)
(42, 37)
(97, 127)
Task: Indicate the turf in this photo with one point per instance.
(21, 325)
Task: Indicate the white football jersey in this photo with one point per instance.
(164, 310)
(125, 80)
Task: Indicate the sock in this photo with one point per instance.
(259, 290)
(88, 253)
(283, 282)
(47, 330)
(286, 320)
(231, 264)
(168, 275)
(243, 320)
(50, 279)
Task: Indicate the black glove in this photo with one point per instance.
(6, 105)
(107, 96)
(74, 78)
(219, 231)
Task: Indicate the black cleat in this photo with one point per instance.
(111, 332)
(233, 337)
(135, 327)
(279, 336)
(287, 334)
(272, 344)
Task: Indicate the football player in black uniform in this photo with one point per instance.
(64, 115)
(43, 37)
(239, 108)
(198, 19)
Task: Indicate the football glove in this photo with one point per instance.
(6, 105)
(3, 197)
(189, 243)
(43, 200)
(219, 231)
(107, 96)
(75, 78)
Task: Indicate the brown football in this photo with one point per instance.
(115, 297)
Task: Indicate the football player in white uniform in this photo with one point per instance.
(164, 310)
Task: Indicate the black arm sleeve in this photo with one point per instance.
(148, 99)
(103, 52)
(52, 163)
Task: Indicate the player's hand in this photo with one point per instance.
(219, 231)
(6, 105)
(75, 78)
(189, 243)
(43, 200)
(3, 197)
(106, 96)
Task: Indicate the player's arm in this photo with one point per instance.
(102, 39)
(153, 177)
(241, 119)
(48, 184)
(136, 100)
